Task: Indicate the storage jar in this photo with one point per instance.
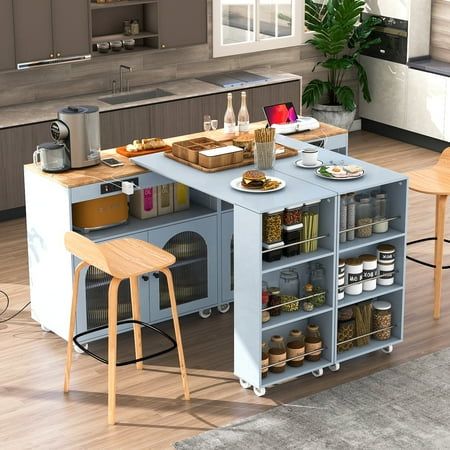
(275, 253)
(353, 276)
(341, 282)
(264, 360)
(343, 219)
(274, 300)
(313, 343)
(369, 272)
(386, 274)
(293, 215)
(291, 235)
(289, 282)
(386, 253)
(364, 217)
(341, 267)
(380, 207)
(346, 331)
(351, 215)
(277, 354)
(295, 348)
(310, 222)
(381, 320)
(272, 226)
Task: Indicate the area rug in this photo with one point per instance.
(407, 406)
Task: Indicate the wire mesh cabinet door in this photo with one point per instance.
(194, 244)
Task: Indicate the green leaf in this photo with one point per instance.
(346, 98)
(313, 92)
(343, 63)
(363, 81)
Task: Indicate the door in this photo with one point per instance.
(7, 57)
(71, 32)
(33, 30)
(182, 23)
(227, 242)
(194, 244)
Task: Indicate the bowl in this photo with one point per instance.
(116, 46)
(103, 47)
(129, 44)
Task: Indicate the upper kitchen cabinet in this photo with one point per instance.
(7, 59)
(46, 30)
(182, 23)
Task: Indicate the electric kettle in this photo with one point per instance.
(51, 157)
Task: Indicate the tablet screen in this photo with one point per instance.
(281, 113)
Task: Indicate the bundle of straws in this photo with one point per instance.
(310, 231)
(264, 153)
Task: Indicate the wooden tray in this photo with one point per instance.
(288, 153)
(123, 151)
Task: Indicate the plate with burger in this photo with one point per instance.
(257, 182)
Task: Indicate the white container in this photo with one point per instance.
(341, 282)
(180, 197)
(353, 276)
(369, 272)
(386, 272)
(144, 203)
(386, 254)
(165, 199)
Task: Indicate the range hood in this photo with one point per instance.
(48, 62)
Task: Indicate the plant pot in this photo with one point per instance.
(333, 115)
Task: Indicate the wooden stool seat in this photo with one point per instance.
(122, 259)
(435, 181)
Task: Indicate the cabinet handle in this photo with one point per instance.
(58, 55)
(145, 277)
(52, 55)
(163, 45)
(156, 275)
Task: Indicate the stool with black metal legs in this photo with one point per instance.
(435, 180)
(122, 259)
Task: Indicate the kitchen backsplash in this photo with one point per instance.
(80, 78)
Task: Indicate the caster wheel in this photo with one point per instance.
(388, 349)
(44, 328)
(78, 349)
(223, 308)
(259, 392)
(205, 313)
(317, 373)
(244, 384)
(335, 367)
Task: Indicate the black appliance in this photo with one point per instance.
(393, 34)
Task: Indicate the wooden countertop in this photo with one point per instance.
(91, 175)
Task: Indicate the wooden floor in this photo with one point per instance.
(34, 412)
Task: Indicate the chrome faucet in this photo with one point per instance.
(122, 69)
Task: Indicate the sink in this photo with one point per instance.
(128, 97)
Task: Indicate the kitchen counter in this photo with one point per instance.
(430, 65)
(17, 115)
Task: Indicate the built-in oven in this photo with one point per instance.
(393, 34)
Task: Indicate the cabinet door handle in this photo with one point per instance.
(58, 55)
(163, 45)
(52, 55)
(156, 275)
(145, 277)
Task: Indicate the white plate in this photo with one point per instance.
(349, 177)
(299, 163)
(236, 184)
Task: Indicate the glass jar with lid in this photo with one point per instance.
(364, 217)
(277, 354)
(353, 276)
(274, 301)
(295, 348)
(293, 215)
(272, 226)
(289, 282)
(380, 207)
(351, 216)
(264, 360)
(381, 320)
(313, 343)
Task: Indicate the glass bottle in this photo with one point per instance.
(277, 354)
(364, 217)
(229, 120)
(343, 219)
(243, 116)
(351, 216)
(295, 348)
(313, 343)
(289, 282)
(380, 204)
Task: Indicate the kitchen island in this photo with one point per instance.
(229, 222)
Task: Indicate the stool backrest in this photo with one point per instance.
(444, 159)
(86, 250)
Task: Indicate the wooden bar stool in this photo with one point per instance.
(435, 180)
(122, 259)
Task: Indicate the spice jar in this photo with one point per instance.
(313, 343)
(274, 300)
(386, 274)
(126, 27)
(272, 226)
(353, 276)
(341, 283)
(293, 215)
(277, 354)
(386, 253)
(264, 360)
(369, 272)
(134, 27)
(381, 320)
(380, 206)
(341, 267)
(291, 235)
(364, 217)
(351, 216)
(343, 219)
(295, 348)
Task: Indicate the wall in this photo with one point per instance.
(440, 30)
(150, 67)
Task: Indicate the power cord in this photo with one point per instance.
(7, 306)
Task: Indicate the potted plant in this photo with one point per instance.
(340, 34)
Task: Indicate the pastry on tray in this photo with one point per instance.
(145, 144)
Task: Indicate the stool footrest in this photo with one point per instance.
(423, 263)
(132, 361)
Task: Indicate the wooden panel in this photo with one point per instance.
(33, 30)
(182, 23)
(440, 30)
(7, 57)
(70, 20)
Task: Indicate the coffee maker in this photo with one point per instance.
(78, 128)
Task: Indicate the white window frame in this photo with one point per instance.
(297, 38)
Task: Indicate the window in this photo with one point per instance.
(244, 26)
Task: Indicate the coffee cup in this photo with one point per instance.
(309, 156)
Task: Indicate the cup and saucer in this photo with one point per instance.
(309, 159)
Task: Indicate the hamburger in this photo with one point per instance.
(254, 179)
